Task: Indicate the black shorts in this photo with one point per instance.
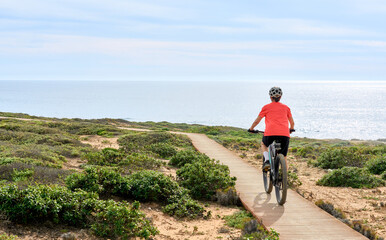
(283, 140)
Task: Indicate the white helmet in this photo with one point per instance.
(275, 92)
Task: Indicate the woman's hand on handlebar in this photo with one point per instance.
(254, 131)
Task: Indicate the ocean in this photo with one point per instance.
(323, 110)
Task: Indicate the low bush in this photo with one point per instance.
(329, 207)
(238, 219)
(151, 186)
(105, 157)
(228, 197)
(186, 156)
(237, 142)
(18, 171)
(60, 205)
(100, 180)
(261, 234)
(350, 177)
(251, 228)
(41, 203)
(293, 180)
(140, 161)
(22, 175)
(120, 219)
(355, 224)
(164, 150)
(32, 151)
(204, 177)
(183, 206)
(138, 141)
(383, 175)
(377, 165)
(114, 157)
(305, 151)
(146, 186)
(155, 186)
(5, 236)
(84, 127)
(334, 158)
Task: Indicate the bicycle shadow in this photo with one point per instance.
(266, 207)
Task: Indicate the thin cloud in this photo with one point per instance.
(367, 6)
(76, 44)
(88, 10)
(299, 27)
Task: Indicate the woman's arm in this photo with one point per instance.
(254, 124)
(292, 123)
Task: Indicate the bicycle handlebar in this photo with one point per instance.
(257, 131)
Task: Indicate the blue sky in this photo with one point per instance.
(192, 40)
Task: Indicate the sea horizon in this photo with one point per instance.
(321, 109)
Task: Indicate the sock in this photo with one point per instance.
(266, 156)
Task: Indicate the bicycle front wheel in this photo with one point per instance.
(281, 183)
(267, 181)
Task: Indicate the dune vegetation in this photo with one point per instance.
(50, 174)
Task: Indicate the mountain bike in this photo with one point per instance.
(276, 174)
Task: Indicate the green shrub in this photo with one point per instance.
(293, 180)
(329, 207)
(32, 151)
(5, 236)
(238, 219)
(350, 177)
(100, 180)
(181, 205)
(204, 177)
(305, 151)
(60, 205)
(238, 142)
(151, 186)
(113, 157)
(334, 158)
(7, 160)
(143, 186)
(139, 161)
(228, 197)
(377, 165)
(22, 175)
(41, 203)
(18, 171)
(383, 175)
(261, 234)
(163, 150)
(155, 186)
(84, 127)
(106, 157)
(186, 156)
(139, 140)
(252, 230)
(120, 219)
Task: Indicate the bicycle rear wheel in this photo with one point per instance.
(267, 181)
(281, 183)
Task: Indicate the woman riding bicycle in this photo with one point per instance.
(277, 116)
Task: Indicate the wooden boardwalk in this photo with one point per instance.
(297, 219)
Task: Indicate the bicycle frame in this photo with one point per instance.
(272, 152)
(277, 175)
